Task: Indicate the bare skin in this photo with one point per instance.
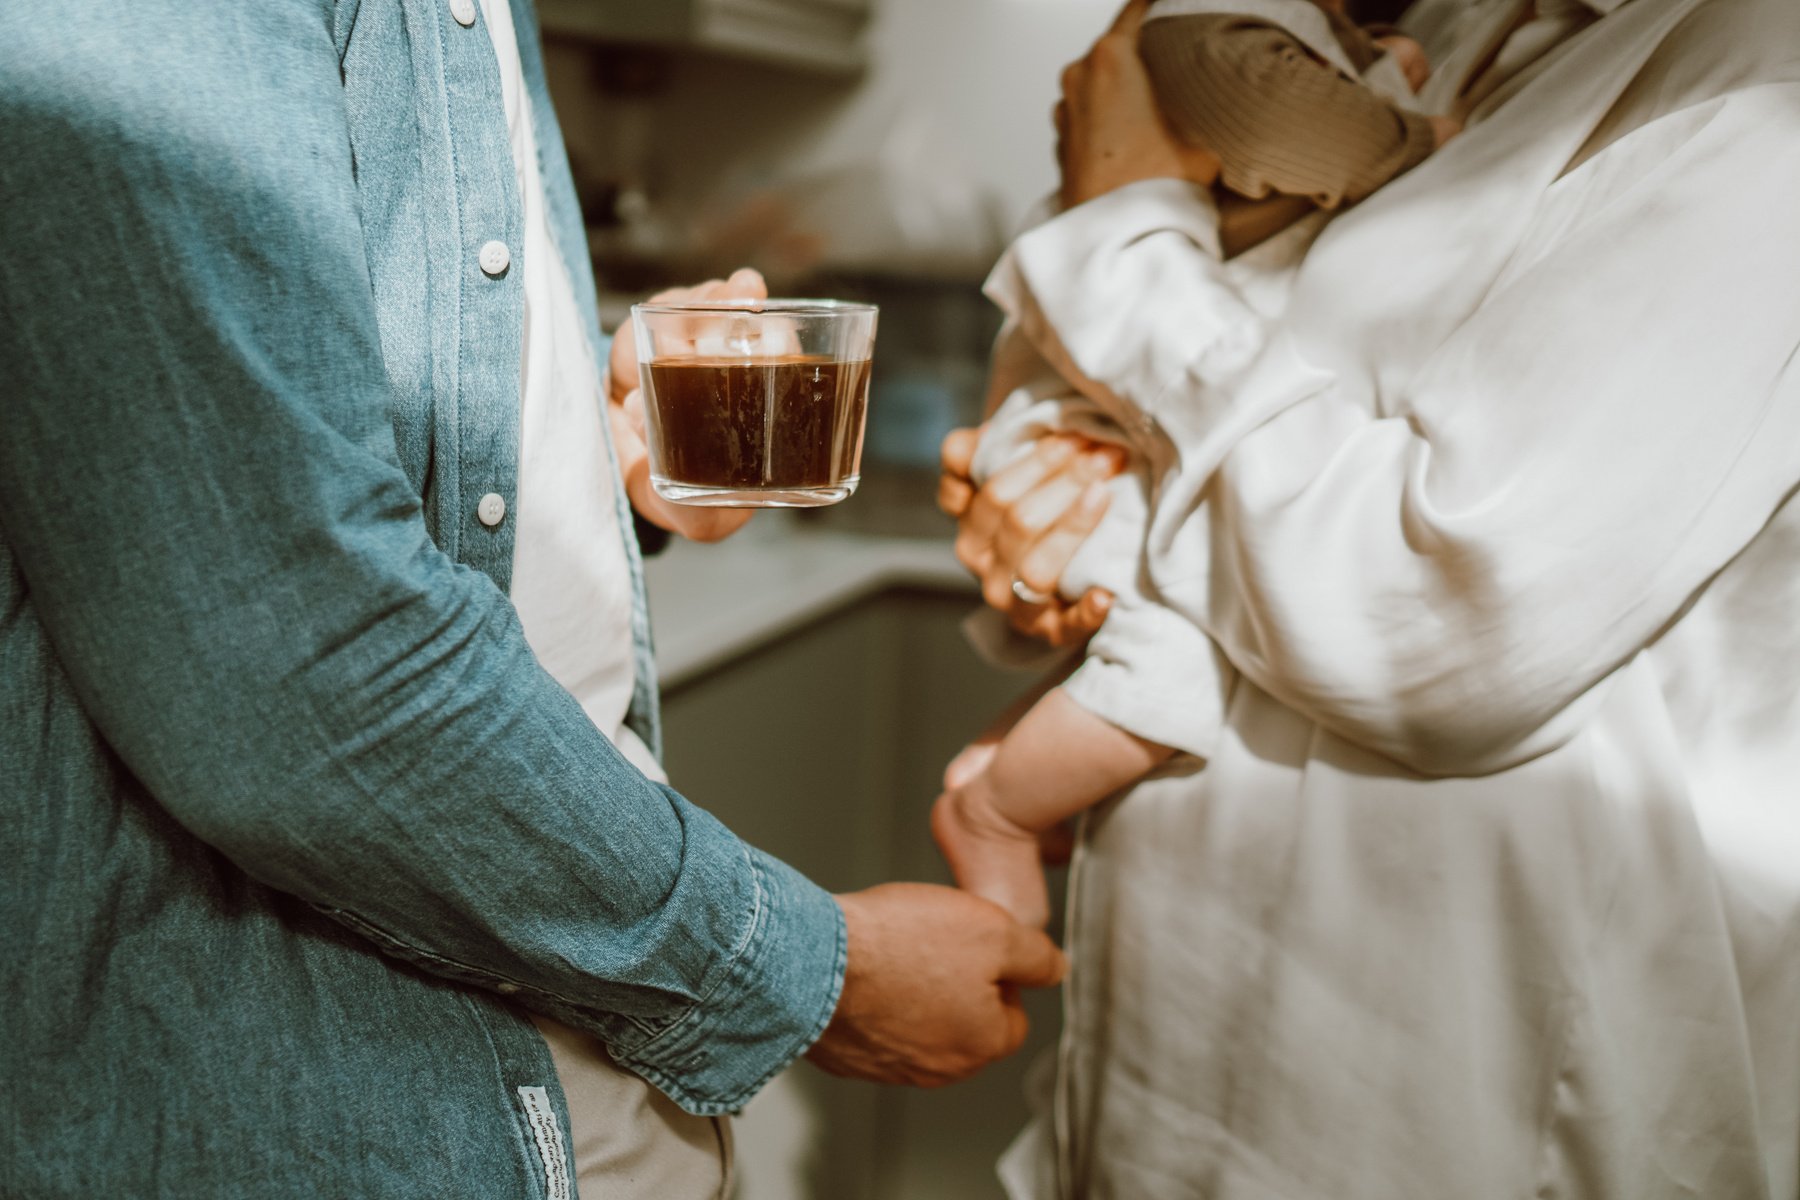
(1026, 524)
(931, 988)
(1109, 131)
(625, 411)
(1059, 760)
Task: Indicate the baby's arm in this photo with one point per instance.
(1059, 760)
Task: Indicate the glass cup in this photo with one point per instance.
(755, 403)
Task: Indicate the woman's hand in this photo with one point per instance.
(1025, 525)
(1109, 131)
(625, 409)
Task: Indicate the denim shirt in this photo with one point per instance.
(292, 820)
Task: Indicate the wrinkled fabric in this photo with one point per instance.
(294, 819)
(1489, 888)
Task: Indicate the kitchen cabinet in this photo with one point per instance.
(821, 36)
(825, 745)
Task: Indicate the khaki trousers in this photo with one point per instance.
(631, 1142)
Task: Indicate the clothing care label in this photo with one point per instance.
(546, 1131)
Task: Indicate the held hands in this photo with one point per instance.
(1026, 523)
(625, 410)
(931, 991)
(1109, 131)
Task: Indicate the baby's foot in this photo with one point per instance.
(990, 855)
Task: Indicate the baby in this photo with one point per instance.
(1303, 108)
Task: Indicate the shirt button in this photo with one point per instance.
(463, 11)
(491, 510)
(495, 258)
(506, 989)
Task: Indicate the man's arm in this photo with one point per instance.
(199, 478)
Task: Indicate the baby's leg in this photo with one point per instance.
(1057, 761)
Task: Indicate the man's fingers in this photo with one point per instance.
(1031, 959)
(1018, 1025)
(746, 283)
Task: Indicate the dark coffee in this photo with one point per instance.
(793, 422)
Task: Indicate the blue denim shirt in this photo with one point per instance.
(291, 818)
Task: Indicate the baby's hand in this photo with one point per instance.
(991, 855)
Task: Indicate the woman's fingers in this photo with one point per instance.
(980, 523)
(1018, 532)
(955, 488)
(1032, 516)
(1041, 563)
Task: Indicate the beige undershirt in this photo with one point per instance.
(571, 587)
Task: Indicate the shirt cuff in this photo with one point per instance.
(772, 1001)
(1185, 713)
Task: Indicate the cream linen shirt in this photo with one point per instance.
(1491, 885)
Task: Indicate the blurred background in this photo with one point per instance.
(815, 676)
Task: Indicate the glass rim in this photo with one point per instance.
(781, 305)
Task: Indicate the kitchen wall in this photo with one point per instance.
(942, 144)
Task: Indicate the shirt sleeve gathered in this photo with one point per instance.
(1449, 576)
(199, 478)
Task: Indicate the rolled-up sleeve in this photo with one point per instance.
(198, 476)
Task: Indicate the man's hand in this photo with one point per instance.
(1026, 523)
(931, 990)
(1109, 131)
(625, 409)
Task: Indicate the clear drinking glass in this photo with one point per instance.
(755, 403)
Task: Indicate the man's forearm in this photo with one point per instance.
(200, 482)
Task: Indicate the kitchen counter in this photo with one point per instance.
(711, 604)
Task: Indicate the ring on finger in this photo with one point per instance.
(1028, 594)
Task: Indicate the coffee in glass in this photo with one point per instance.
(755, 403)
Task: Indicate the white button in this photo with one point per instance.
(491, 510)
(463, 11)
(506, 989)
(495, 258)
